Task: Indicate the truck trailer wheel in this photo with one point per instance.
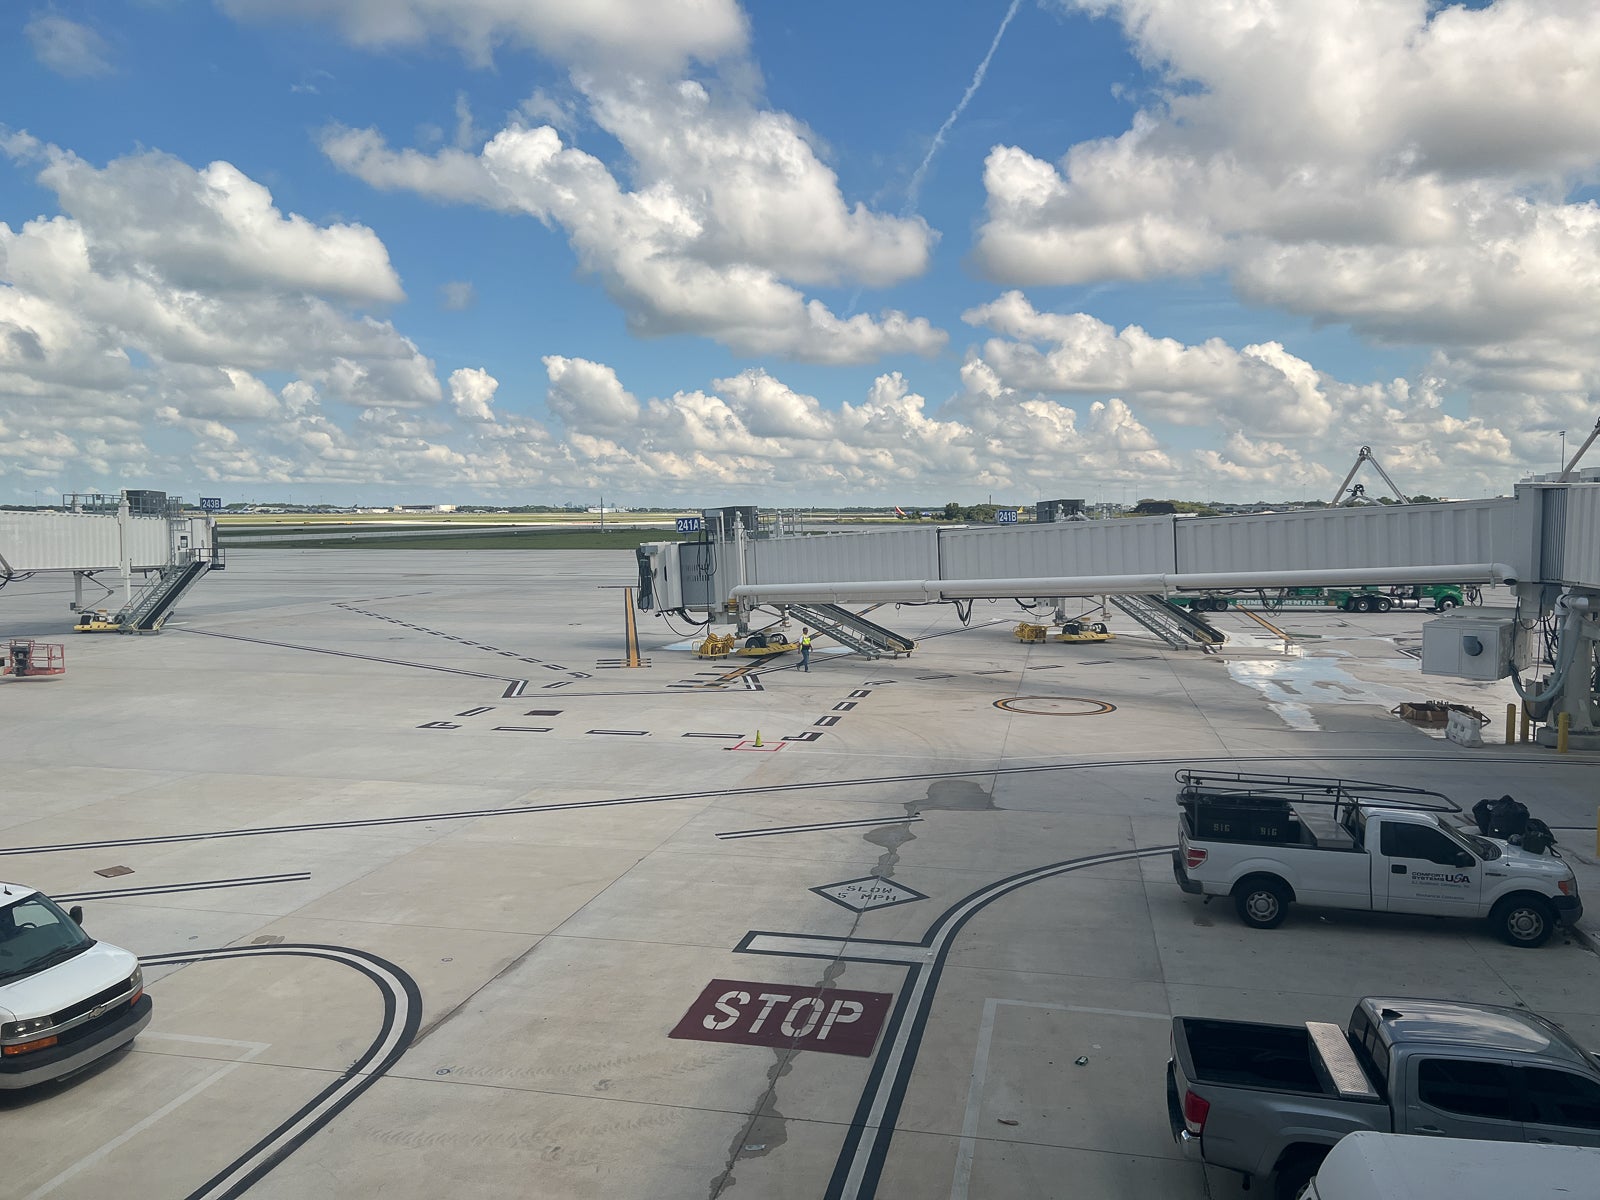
(1444, 604)
(1523, 920)
(1262, 901)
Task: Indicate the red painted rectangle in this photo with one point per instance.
(784, 1014)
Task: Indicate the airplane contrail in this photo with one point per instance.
(915, 186)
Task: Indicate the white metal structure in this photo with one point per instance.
(1394, 1166)
(84, 543)
(1544, 542)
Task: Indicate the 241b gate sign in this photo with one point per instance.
(782, 1014)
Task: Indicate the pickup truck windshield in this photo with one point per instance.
(35, 935)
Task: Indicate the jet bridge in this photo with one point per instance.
(130, 533)
(1544, 541)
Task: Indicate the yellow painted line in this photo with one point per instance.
(1260, 620)
(632, 626)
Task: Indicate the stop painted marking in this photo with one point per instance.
(781, 1014)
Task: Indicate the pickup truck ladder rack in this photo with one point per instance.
(1199, 786)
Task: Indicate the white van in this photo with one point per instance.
(1395, 1166)
(65, 999)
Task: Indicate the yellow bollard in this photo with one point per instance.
(1563, 723)
(1511, 723)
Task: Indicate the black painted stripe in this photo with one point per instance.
(777, 829)
(776, 789)
(402, 1015)
(858, 1169)
(204, 885)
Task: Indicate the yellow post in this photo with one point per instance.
(1563, 723)
(1511, 723)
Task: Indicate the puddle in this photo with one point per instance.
(1294, 687)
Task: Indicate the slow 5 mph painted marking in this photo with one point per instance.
(402, 1014)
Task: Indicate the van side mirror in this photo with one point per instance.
(76, 913)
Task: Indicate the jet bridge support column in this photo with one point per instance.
(1574, 687)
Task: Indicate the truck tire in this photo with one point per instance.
(1385, 604)
(1295, 1170)
(1262, 901)
(1524, 920)
(1444, 604)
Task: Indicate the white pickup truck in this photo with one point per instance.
(1269, 841)
(65, 999)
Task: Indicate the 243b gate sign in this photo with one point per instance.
(781, 1014)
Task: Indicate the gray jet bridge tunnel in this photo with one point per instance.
(1543, 542)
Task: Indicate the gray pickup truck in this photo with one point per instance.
(1271, 1100)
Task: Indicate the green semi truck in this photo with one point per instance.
(1435, 597)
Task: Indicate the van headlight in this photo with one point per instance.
(21, 1029)
(136, 980)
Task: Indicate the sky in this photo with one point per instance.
(693, 252)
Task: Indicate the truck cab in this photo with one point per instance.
(66, 999)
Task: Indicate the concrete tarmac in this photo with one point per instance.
(439, 896)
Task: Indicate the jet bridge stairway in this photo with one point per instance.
(1176, 626)
(155, 604)
(852, 630)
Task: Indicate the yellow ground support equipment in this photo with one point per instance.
(765, 645)
(1071, 631)
(716, 645)
(96, 620)
(1078, 631)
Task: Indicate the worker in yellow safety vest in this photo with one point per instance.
(805, 650)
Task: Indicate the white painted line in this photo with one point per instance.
(100, 1152)
(968, 1144)
(841, 948)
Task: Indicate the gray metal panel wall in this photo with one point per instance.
(79, 541)
(1552, 533)
(1582, 549)
(1123, 546)
(1466, 531)
(840, 558)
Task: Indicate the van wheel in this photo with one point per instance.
(1262, 901)
(1295, 1172)
(1523, 920)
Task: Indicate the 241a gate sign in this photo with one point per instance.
(688, 524)
(782, 1014)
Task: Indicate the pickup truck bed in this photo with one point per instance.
(1244, 1054)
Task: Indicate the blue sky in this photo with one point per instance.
(468, 250)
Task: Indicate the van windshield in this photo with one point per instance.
(36, 935)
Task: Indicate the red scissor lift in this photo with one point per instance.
(28, 659)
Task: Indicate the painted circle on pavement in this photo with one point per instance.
(1055, 706)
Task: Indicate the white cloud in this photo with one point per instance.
(1261, 386)
(67, 47)
(472, 392)
(638, 34)
(457, 296)
(1391, 164)
(728, 203)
